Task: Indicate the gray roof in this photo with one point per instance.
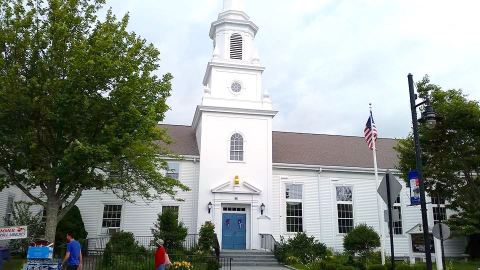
(304, 148)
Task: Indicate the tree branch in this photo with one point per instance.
(65, 209)
(24, 189)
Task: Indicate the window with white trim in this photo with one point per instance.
(236, 46)
(439, 212)
(174, 208)
(397, 225)
(236, 147)
(112, 215)
(344, 196)
(294, 207)
(9, 210)
(173, 170)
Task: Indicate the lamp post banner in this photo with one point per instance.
(414, 182)
(17, 232)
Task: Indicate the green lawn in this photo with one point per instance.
(14, 264)
(455, 265)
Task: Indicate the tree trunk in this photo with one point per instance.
(52, 219)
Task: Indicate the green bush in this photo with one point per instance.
(71, 222)
(207, 238)
(377, 267)
(317, 265)
(291, 260)
(403, 267)
(345, 267)
(362, 240)
(419, 266)
(172, 232)
(23, 215)
(330, 266)
(302, 246)
(122, 244)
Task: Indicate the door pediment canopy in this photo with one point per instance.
(244, 188)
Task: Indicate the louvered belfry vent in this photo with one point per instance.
(236, 47)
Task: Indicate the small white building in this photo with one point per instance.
(250, 180)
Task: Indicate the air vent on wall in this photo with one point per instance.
(236, 47)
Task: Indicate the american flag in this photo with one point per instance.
(370, 132)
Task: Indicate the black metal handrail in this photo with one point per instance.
(99, 260)
(99, 243)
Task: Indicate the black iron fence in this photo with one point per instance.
(268, 242)
(99, 243)
(99, 260)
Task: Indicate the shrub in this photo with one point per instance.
(123, 243)
(345, 267)
(362, 240)
(301, 246)
(23, 215)
(71, 222)
(172, 232)
(330, 266)
(403, 267)
(419, 266)
(317, 265)
(291, 260)
(207, 238)
(377, 267)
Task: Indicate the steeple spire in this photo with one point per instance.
(238, 5)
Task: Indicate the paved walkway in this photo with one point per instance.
(259, 267)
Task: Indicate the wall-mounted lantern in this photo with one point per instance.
(262, 208)
(209, 207)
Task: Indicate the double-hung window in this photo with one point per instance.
(294, 207)
(397, 225)
(344, 196)
(173, 170)
(112, 216)
(173, 208)
(439, 210)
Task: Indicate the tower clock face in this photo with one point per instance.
(236, 87)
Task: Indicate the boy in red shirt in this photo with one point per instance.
(160, 255)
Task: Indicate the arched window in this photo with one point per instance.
(236, 147)
(236, 47)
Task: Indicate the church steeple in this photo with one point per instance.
(238, 5)
(233, 76)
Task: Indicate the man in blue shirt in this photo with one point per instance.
(73, 257)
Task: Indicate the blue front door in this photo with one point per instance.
(234, 233)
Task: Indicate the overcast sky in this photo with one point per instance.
(325, 59)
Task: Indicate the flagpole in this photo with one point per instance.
(379, 202)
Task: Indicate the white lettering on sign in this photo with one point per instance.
(17, 232)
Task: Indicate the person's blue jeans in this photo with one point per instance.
(161, 267)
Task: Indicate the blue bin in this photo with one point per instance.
(37, 253)
(5, 253)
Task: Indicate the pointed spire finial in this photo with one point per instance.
(238, 5)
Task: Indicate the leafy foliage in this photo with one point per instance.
(170, 230)
(71, 222)
(23, 215)
(79, 105)
(362, 240)
(120, 246)
(303, 247)
(450, 154)
(377, 267)
(207, 238)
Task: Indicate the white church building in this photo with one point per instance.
(250, 180)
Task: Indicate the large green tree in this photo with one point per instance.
(79, 105)
(450, 155)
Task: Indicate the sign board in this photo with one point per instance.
(414, 182)
(395, 188)
(395, 215)
(445, 231)
(418, 245)
(17, 232)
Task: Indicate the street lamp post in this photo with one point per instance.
(430, 119)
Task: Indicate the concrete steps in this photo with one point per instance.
(250, 257)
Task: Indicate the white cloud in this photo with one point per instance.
(326, 60)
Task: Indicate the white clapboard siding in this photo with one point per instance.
(139, 217)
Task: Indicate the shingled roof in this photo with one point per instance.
(304, 148)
